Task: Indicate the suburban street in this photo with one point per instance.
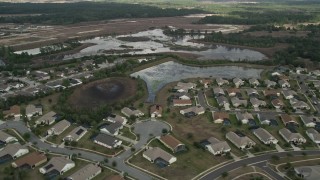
(257, 160)
(146, 129)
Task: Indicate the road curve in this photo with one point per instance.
(149, 126)
(253, 160)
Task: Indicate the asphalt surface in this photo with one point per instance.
(146, 129)
(255, 160)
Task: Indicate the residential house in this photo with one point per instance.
(266, 118)
(219, 117)
(116, 118)
(300, 70)
(257, 102)
(275, 73)
(86, 173)
(222, 100)
(156, 154)
(31, 160)
(206, 82)
(271, 93)
(112, 129)
(156, 111)
(33, 110)
(76, 134)
(241, 142)
(57, 164)
(316, 84)
(264, 136)
(252, 93)
(180, 102)
(218, 91)
(316, 72)
(193, 111)
(313, 135)
(244, 117)
(284, 83)
(221, 81)
(290, 137)
(217, 147)
(172, 143)
(184, 87)
(13, 151)
(131, 111)
(270, 84)
(41, 75)
(297, 104)
(287, 119)
(48, 118)
(277, 103)
(289, 94)
(233, 92)
(107, 141)
(254, 82)
(309, 121)
(58, 128)
(14, 111)
(6, 138)
(236, 102)
(183, 96)
(238, 82)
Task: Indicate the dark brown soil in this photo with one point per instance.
(106, 91)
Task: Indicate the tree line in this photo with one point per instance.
(68, 13)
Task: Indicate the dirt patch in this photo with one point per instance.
(134, 39)
(106, 91)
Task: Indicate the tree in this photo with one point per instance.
(26, 136)
(275, 158)
(224, 174)
(114, 164)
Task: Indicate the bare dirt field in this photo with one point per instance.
(55, 34)
(110, 90)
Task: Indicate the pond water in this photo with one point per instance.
(158, 76)
(159, 42)
(34, 51)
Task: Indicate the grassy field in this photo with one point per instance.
(188, 164)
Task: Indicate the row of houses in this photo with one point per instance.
(56, 166)
(241, 141)
(266, 118)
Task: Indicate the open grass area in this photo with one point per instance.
(188, 164)
(125, 131)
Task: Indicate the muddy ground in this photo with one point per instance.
(106, 91)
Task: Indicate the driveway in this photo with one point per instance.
(146, 129)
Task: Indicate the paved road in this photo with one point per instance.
(146, 129)
(255, 160)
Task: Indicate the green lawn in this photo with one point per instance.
(125, 131)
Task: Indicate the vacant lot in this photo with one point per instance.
(95, 94)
